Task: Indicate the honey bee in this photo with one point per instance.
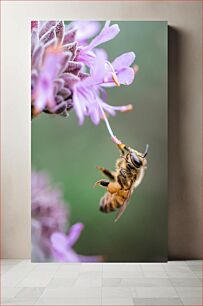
(128, 175)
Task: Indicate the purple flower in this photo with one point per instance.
(53, 73)
(69, 71)
(89, 95)
(62, 246)
(86, 54)
(50, 222)
(49, 212)
(120, 70)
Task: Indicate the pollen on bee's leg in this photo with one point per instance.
(113, 187)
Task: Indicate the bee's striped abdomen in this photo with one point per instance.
(109, 202)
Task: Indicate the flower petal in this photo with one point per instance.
(78, 104)
(86, 57)
(69, 36)
(107, 33)
(98, 70)
(45, 86)
(123, 60)
(61, 250)
(71, 256)
(94, 113)
(74, 233)
(46, 26)
(59, 242)
(85, 29)
(59, 29)
(126, 76)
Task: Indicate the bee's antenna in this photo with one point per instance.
(146, 151)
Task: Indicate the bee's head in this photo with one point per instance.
(138, 159)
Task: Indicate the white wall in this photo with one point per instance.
(184, 17)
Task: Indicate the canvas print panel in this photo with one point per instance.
(99, 141)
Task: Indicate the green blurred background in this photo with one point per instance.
(70, 153)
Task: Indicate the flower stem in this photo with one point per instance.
(113, 137)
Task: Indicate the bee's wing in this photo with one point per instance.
(123, 208)
(133, 187)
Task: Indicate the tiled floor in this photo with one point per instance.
(172, 283)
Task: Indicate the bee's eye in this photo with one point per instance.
(135, 160)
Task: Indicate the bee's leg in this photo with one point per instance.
(130, 166)
(122, 178)
(102, 183)
(121, 181)
(107, 172)
(122, 147)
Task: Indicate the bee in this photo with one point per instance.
(128, 174)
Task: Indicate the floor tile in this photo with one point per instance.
(11, 261)
(15, 275)
(122, 267)
(155, 274)
(9, 292)
(146, 282)
(6, 268)
(122, 274)
(73, 292)
(90, 274)
(37, 279)
(30, 292)
(157, 301)
(172, 283)
(154, 292)
(22, 301)
(193, 262)
(192, 301)
(117, 301)
(4, 301)
(152, 267)
(67, 273)
(87, 267)
(196, 268)
(179, 274)
(59, 282)
(175, 263)
(189, 291)
(177, 268)
(198, 274)
(116, 292)
(88, 282)
(185, 282)
(112, 282)
(69, 301)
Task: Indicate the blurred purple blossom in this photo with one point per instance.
(50, 222)
(48, 210)
(62, 246)
(75, 74)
